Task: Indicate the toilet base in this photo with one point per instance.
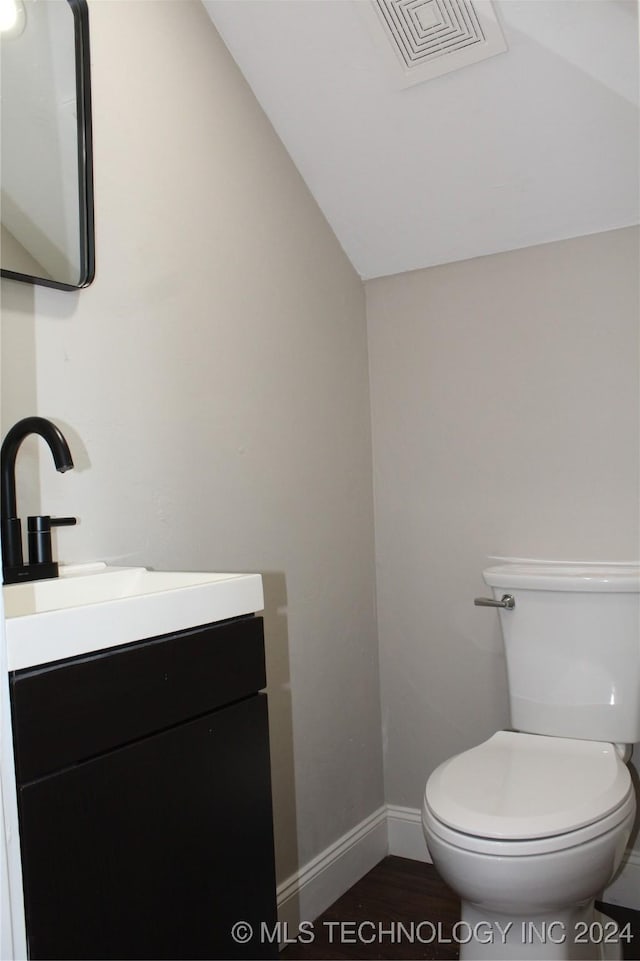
(577, 934)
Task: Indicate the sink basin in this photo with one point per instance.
(94, 607)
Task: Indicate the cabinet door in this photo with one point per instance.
(156, 849)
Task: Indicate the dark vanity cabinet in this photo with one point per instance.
(144, 798)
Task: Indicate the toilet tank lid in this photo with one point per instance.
(523, 786)
(564, 576)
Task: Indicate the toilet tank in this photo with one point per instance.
(572, 646)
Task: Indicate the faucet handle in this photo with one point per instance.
(39, 536)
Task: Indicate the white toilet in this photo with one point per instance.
(529, 827)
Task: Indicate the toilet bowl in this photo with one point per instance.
(528, 829)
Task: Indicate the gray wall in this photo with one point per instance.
(505, 412)
(213, 385)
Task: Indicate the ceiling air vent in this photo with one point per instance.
(432, 37)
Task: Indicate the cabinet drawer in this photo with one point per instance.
(73, 710)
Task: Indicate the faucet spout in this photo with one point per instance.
(11, 529)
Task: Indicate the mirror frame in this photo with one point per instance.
(85, 159)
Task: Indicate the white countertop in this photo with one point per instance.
(95, 607)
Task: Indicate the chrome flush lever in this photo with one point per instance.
(507, 602)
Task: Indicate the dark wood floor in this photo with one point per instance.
(399, 891)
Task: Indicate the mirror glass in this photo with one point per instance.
(46, 172)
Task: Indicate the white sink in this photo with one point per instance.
(94, 607)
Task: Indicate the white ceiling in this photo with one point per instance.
(536, 144)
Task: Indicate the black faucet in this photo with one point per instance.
(41, 563)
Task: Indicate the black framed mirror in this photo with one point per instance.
(46, 173)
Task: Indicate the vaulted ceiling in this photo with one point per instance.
(534, 144)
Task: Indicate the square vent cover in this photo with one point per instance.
(432, 37)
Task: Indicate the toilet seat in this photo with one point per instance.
(528, 848)
(521, 787)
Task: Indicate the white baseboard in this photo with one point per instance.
(406, 837)
(310, 891)
(392, 830)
